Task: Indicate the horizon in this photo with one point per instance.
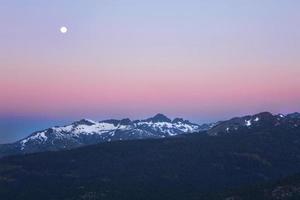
(203, 61)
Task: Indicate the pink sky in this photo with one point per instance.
(136, 59)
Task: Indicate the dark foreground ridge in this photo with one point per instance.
(193, 166)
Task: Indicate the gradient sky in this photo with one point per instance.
(201, 60)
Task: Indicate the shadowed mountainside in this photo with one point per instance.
(187, 167)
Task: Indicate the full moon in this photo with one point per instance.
(63, 29)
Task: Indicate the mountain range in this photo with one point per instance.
(230, 166)
(243, 158)
(87, 132)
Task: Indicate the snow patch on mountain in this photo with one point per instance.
(248, 122)
(40, 136)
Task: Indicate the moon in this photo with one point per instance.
(63, 29)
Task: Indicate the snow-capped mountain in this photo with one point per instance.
(264, 121)
(86, 132)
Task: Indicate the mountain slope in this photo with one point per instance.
(188, 167)
(287, 188)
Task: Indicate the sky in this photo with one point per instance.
(201, 60)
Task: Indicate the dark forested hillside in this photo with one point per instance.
(188, 167)
(287, 188)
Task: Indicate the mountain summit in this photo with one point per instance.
(159, 118)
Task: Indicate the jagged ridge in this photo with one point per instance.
(86, 132)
